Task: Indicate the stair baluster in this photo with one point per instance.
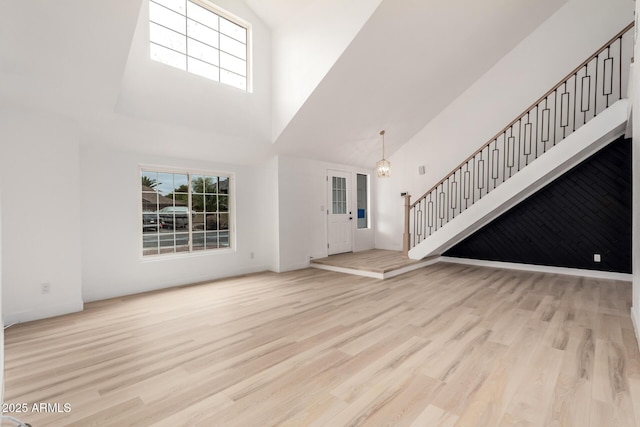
(584, 93)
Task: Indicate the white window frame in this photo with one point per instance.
(226, 15)
(190, 252)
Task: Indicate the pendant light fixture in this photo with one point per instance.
(383, 167)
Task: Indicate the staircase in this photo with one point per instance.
(583, 113)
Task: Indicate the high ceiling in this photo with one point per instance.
(411, 58)
(277, 12)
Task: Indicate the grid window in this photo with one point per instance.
(203, 41)
(339, 195)
(184, 212)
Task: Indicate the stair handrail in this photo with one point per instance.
(445, 198)
(521, 116)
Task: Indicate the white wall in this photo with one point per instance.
(40, 217)
(302, 211)
(306, 47)
(517, 80)
(112, 264)
(162, 93)
(71, 218)
(635, 88)
(271, 213)
(1, 321)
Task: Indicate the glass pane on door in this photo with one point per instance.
(339, 195)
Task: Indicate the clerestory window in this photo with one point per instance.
(196, 36)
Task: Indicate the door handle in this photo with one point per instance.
(350, 218)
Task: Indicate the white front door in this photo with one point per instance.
(339, 218)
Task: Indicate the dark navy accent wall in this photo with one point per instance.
(585, 211)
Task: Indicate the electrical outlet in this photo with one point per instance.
(596, 258)
(45, 288)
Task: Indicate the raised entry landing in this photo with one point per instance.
(375, 263)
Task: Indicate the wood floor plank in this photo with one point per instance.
(405, 406)
(490, 402)
(612, 398)
(634, 384)
(533, 398)
(434, 416)
(571, 402)
(462, 387)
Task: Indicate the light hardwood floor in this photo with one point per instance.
(446, 345)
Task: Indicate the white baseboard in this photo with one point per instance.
(541, 268)
(635, 319)
(42, 313)
(292, 267)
